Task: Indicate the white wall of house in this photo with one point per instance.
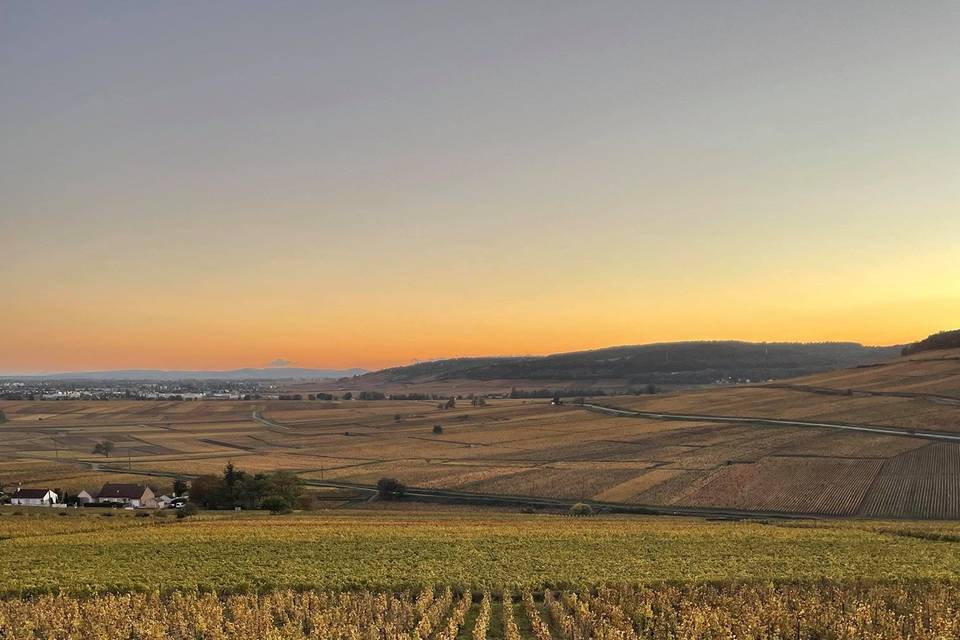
(28, 502)
(45, 501)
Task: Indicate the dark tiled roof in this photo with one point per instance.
(28, 494)
(132, 491)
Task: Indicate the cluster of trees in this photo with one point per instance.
(104, 448)
(179, 487)
(547, 393)
(327, 397)
(942, 340)
(579, 393)
(581, 509)
(451, 402)
(278, 491)
(391, 489)
(371, 395)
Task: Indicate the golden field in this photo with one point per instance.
(454, 573)
(923, 612)
(385, 549)
(530, 448)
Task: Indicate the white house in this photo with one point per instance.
(33, 497)
(84, 497)
(127, 495)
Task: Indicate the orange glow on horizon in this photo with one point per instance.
(209, 341)
(361, 186)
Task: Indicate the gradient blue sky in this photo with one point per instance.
(218, 184)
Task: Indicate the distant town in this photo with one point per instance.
(13, 389)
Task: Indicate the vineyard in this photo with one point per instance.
(528, 448)
(842, 611)
(396, 550)
(797, 485)
(924, 483)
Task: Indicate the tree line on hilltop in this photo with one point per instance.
(942, 340)
(664, 363)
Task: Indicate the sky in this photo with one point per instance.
(224, 184)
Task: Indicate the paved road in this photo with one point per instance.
(775, 422)
(269, 424)
(938, 398)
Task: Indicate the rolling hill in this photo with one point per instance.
(934, 342)
(672, 363)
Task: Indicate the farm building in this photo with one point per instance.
(84, 497)
(127, 495)
(33, 497)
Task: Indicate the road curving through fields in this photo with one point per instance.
(939, 436)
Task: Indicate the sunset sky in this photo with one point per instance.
(218, 184)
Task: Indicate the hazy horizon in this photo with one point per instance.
(202, 186)
(320, 367)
